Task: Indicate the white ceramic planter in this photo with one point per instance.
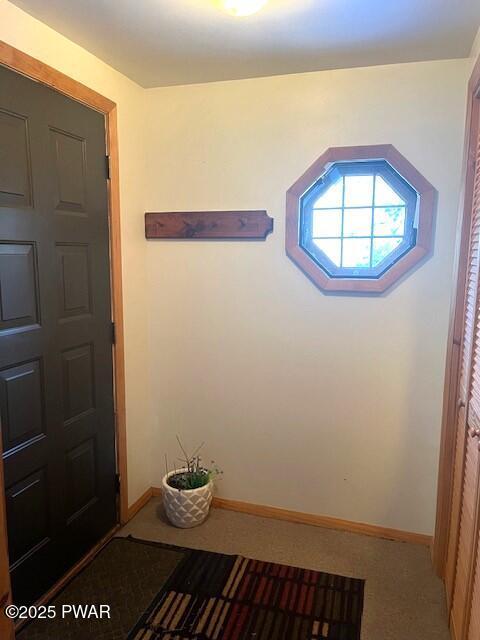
(189, 507)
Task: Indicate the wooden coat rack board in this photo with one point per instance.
(203, 225)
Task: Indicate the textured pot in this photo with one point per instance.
(188, 507)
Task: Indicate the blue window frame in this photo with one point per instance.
(358, 219)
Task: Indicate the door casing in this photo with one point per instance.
(36, 70)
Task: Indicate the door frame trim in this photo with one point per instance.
(455, 335)
(39, 71)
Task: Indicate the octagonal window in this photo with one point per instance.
(359, 218)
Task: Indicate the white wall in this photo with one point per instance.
(31, 36)
(323, 404)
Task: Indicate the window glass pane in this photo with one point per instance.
(327, 223)
(356, 252)
(384, 194)
(358, 191)
(331, 248)
(389, 221)
(357, 222)
(382, 247)
(332, 197)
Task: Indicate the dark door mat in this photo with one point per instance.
(212, 596)
(127, 574)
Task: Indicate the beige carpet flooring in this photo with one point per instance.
(404, 599)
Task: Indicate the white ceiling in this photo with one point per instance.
(166, 42)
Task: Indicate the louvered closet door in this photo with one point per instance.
(473, 615)
(463, 541)
(470, 322)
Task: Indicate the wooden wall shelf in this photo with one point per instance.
(204, 225)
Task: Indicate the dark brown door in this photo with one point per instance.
(56, 389)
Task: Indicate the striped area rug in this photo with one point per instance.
(211, 596)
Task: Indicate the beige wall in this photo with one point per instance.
(24, 32)
(323, 404)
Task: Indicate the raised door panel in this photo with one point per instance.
(21, 407)
(19, 299)
(78, 383)
(70, 172)
(27, 517)
(81, 479)
(15, 176)
(74, 281)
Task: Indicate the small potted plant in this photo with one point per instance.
(187, 492)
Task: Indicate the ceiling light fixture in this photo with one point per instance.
(243, 7)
